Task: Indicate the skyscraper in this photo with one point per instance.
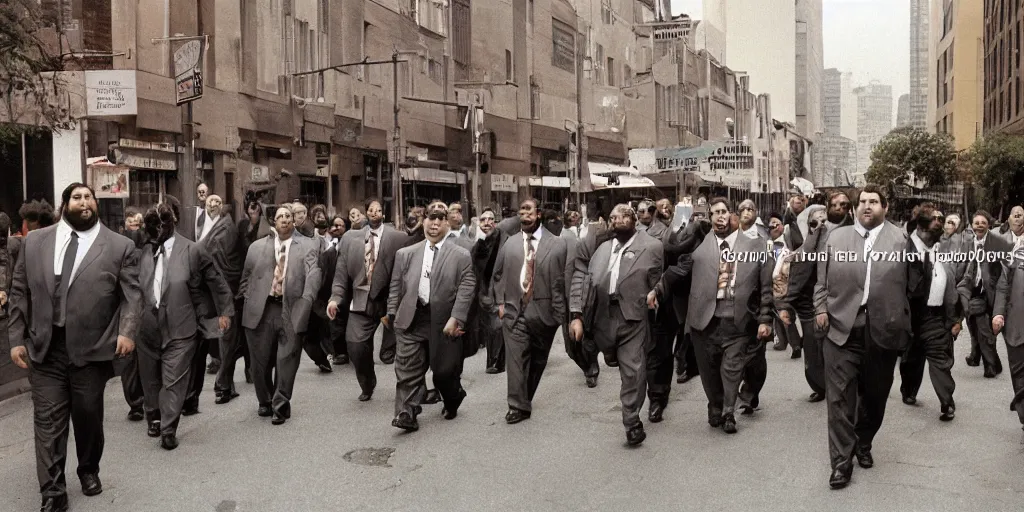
(903, 111)
(832, 100)
(810, 66)
(874, 121)
(919, 64)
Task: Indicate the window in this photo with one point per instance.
(599, 63)
(269, 45)
(508, 66)
(430, 15)
(529, 17)
(606, 12)
(611, 72)
(563, 46)
(462, 41)
(534, 99)
(627, 75)
(435, 71)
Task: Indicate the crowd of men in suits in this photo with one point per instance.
(849, 292)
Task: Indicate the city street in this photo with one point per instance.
(340, 454)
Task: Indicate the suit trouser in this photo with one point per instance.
(488, 328)
(165, 375)
(723, 352)
(316, 343)
(276, 350)
(131, 382)
(232, 346)
(388, 342)
(584, 353)
(933, 343)
(359, 336)
(336, 332)
(1015, 360)
(754, 377)
(814, 360)
(659, 357)
(629, 341)
(416, 351)
(980, 327)
(858, 369)
(63, 392)
(686, 360)
(527, 346)
(788, 335)
(197, 378)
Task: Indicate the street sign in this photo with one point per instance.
(188, 72)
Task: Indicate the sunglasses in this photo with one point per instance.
(437, 215)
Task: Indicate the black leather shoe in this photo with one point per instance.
(592, 382)
(278, 420)
(746, 410)
(248, 376)
(365, 397)
(342, 359)
(190, 409)
(948, 413)
(864, 458)
(136, 415)
(405, 422)
(169, 442)
(611, 361)
(997, 367)
(91, 485)
(729, 425)
(780, 346)
(684, 378)
(264, 411)
(839, 479)
(797, 353)
(636, 435)
(55, 504)
(433, 396)
(715, 421)
(654, 414)
(325, 367)
(224, 398)
(989, 372)
(973, 359)
(214, 367)
(154, 429)
(515, 416)
(816, 397)
(492, 370)
(451, 412)
(387, 357)
(910, 400)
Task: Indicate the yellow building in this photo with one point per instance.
(957, 94)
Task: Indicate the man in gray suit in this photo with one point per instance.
(1010, 299)
(279, 283)
(363, 276)
(578, 253)
(432, 290)
(175, 274)
(193, 219)
(621, 274)
(529, 288)
(72, 311)
(648, 220)
(980, 279)
(730, 310)
(862, 307)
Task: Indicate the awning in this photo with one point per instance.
(549, 182)
(625, 181)
(611, 169)
(428, 175)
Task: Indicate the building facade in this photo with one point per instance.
(903, 111)
(959, 66)
(919, 63)
(1002, 73)
(874, 121)
(810, 68)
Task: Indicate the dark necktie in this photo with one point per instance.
(64, 282)
(200, 223)
(528, 282)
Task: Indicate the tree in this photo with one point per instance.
(996, 166)
(910, 154)
(32, 92)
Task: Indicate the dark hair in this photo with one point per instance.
(175, 206)
(158, 215)
(5, 224)
(37, 211)
(719, 199)
(65, 196)
(368, 202)
(871, 188)
(983, 213)
(486, 209)
(834, 195)
(536, 203)
(131, 211)
(774, 215)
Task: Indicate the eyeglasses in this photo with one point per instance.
(437, 215)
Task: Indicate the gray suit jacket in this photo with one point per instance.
(452, 285)
(190, 275)
(840, 287)
(187, 223)
(640, 271)
(549, 302)
(302, 278)
(1010, 302)
(658, 230)
(350, 275)
(103, 299)
(754, 302)
(221, 245)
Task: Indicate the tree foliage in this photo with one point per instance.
(909, 154)
(32, 92)
(996, 166)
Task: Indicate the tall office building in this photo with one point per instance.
(903, 111)
(833, 154)
(832, 100)
(810, 68)
(919, 63)
(874, 121)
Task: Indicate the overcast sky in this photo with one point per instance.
(870, 38)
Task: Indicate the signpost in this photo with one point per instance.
(188, 72)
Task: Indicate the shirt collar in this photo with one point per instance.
(731, 240)
(439, 244)
(921, 247)
(169, 244)
(616, 243)
(864, 231)
(781, 239)
(981, 241)
(64, 229)
(536, 234)
(379, 231)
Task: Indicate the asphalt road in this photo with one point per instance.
(340, 454)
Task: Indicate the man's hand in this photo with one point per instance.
(997, 324)
(452, 328)
(652, 299)
(764, 332)
(3, 298)
(332, 309)
(386, 320)
(784, 316)
(224, 323)
(576, 330)
(124, 346)
(821, 322)
(501, 312)
(20, 357)
(956, 330)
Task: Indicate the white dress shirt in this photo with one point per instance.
(428, 264)
(937, 292)
(208, 226)
(535, 239)
(979, 245)
(731, 239)
(63, 238)
(200, 212)
(616, 258)
(287, 244)
(753, 232)
(158, 273)
(869, 244)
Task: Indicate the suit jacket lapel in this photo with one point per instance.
(416, 267)
(626, 263)
(94, 252)
(170, 263)
(543, 248)
(601, 260)
(49, 248)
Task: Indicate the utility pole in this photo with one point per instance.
(478, 186)
(577, 171)
(396, 175)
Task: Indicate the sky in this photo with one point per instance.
(870, 38)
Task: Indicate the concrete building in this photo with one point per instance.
(959, 64)
(874, 121)
(835, 161)
(903, 111)
(832, 101)
(810, 65)
(919, 63)
(1002, 73)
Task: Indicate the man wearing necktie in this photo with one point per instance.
(984, 268)
(431, 293)
(1010, 299)
(330, 333)
(862, 306)
(624, 270)
(73, 309)
(176, 274)
(935, 315)
(362, 279)
(279, 282)
(796, 300)
(529, 289)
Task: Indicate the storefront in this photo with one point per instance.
(504, 192)
(551, 191)
(420, 185)
(133, 174)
